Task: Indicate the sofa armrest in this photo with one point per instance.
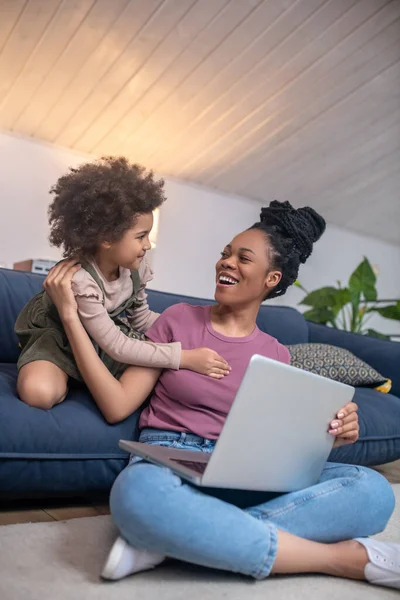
(383, 355)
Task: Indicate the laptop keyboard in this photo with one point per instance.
(199, 467)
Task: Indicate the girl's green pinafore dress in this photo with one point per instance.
(42, 336)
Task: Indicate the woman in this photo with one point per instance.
(157, 514)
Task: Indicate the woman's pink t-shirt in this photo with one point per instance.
(188, 402)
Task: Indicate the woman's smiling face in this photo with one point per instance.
(244, 273)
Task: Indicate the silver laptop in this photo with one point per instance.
(274, 439)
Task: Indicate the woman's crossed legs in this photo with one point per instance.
(304, 531)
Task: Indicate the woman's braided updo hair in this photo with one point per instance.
(291, 234)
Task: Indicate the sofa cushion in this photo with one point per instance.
(69, 449)
(335, 363)
(383, 355)
(16, 288)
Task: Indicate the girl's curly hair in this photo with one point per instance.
(98, 202)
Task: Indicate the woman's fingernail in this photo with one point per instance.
(334, 424)
(341, 415)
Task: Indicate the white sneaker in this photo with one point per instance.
(384, 562)
(124, 560)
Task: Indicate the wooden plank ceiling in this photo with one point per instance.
(288, 99)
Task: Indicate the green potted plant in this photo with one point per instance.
(351, 307)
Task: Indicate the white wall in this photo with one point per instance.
(195, 224)
(27, 171)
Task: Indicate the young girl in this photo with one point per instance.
(102, 214)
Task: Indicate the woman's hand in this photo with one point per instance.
(58, 286)
(345, 427)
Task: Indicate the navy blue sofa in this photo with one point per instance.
(71, 450)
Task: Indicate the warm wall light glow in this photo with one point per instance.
(154, 231)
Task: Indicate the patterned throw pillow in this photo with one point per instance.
(338, 364)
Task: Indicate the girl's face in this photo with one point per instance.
(243, 273)
(130, 250)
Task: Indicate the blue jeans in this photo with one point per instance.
(235, 530)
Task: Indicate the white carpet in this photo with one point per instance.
(61, 561)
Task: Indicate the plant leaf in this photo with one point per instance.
(319, 315)
(362, 281)
(342, 298)
(376, 334)
(390, 312)
(321, 298)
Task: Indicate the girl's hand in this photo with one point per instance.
(345, 427)
(58, 286)
(206, 362)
